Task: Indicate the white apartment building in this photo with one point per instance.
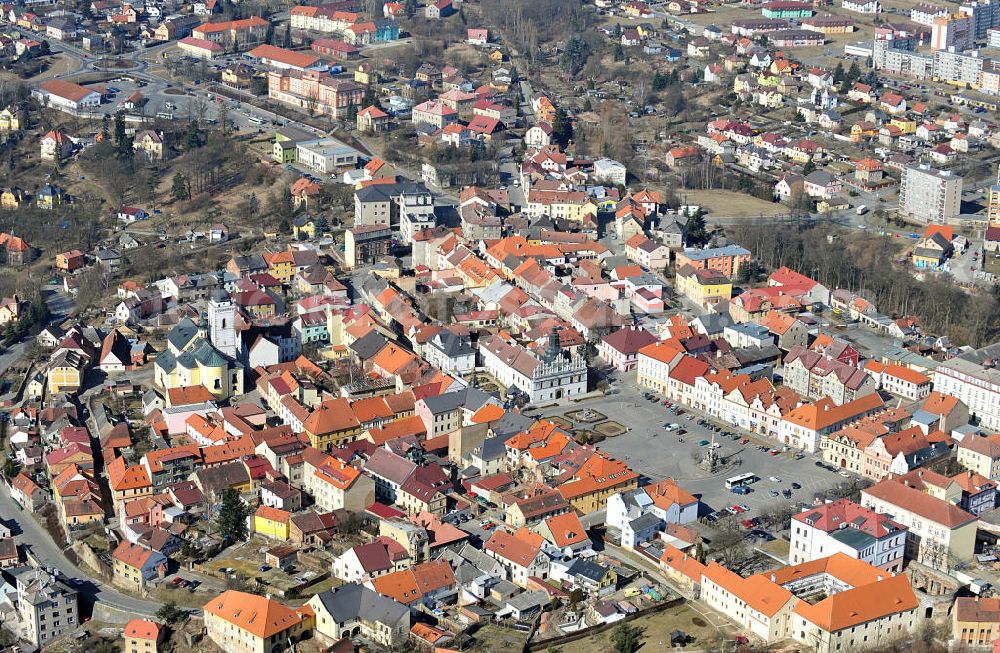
(939, 533)
(924, 14)
(974, 379)
(930, 195)
(843, 526)
(48, 608)
(952, 65)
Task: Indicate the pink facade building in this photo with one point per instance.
(315, 91)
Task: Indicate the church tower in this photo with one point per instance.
(222, 322)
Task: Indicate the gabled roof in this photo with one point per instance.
(257, 615)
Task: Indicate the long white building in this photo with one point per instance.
(556, 374)
(974, 378)
(843, 526)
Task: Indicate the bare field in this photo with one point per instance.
(730, 204)
(656, 632)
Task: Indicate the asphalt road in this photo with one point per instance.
(33, 536)
(36, 539)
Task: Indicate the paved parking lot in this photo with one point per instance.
(657, 454)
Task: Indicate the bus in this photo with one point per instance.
(741, 481)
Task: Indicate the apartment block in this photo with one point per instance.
(930, 195)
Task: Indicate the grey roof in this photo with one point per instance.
(714, 323)
(483, 563)
(476, 398)
(369, 344)
(444, 403)
(492, 449)
(854, 538)
(451, 344)
(526, 601)
(587, 569)
(214, 480)
(387, 465)
(250, 262)
(820, 178)
(352, 602)
(183, 333)
(511, 424)
(645, 521)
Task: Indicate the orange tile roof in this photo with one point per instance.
(510, 548)
(600, 472)
(337, 473)
(122, 477)
(393, 358)
(257, 615)
(370, 409)
(758, 592)
(860, 604)
(908, 375)
(488, 413)
(660, 351)
(939, 403)
(841, 566)
(676, 559)
(666, 493)
(908, 498)
(409, 585)
(566, 529)
(823, 413)
(273, 514)
(192, 394)
(133, 555)
(332, 416)
(142, 629)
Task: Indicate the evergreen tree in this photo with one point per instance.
(853, 73)
(232, 519)
(562, 128)
(180, 189)
(619, 52)
(192, 136)
(626, 638)
(410, 8)
(574, 55)
(697, 230)
(369, 99)
(286, 206)
(106, 128)
(838, 73)
(120, 127)
(169, 613)
(288, 35)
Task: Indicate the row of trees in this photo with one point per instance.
(863, 264)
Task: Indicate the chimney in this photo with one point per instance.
(774, 578)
